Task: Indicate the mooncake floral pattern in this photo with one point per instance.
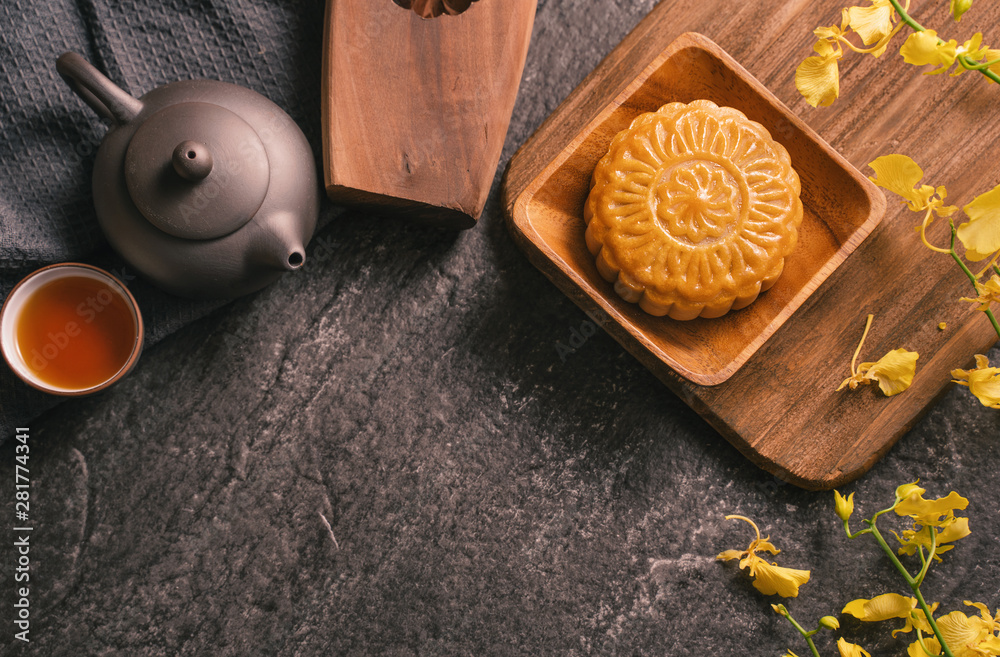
(693, 211)
(435, 8)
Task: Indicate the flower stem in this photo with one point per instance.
(854, 360)
(976, 67)
(962, 59)
(805, 635)
(913, 584)
(930, 557)
(972, 278)
(847, 530)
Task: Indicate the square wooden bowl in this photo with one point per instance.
(841, 208)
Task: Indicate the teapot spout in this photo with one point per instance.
(280, 248)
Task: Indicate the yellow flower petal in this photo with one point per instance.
(959, 7)
(773, 579)
(960, 631)
(881, 607)
(872, 23)
(900, 175)
(981, 234)
(983, 381)
(818, 78)
(831, 32)
(851, 649)
(728, 555)
(890, 605)
(984, 612)
(922, 48)
(934, 513)
(894, 371)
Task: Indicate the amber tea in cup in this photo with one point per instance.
(70, 329)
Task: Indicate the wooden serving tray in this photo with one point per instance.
(774, 397)
(840, 209)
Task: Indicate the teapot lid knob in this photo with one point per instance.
(192, 160)
(197, 170)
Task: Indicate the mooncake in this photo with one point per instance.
(693, 211)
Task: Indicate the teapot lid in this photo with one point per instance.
(196, 170)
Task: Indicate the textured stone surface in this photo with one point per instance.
(386, 454)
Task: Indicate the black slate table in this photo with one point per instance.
(392, 452)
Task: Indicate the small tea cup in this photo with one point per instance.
(70, 329)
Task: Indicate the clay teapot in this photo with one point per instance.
(208, 189)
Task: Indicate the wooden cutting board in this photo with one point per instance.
(781, 408)
(415, 111)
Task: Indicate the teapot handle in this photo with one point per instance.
(103, 95)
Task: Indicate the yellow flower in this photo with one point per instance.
(843, 506)
(818, 77)
(965, 636)
(769, 578)
(873, 24)
(900, 175)
(929, 513)
(893, 372)
(989, 292)
(912, 540)
(834, 32)
(851, 649)
(922, 48)
(886, 606)
(983, 381)
(973, 50)
(981, 234)
(959, 7)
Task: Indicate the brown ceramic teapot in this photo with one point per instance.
(207, 188)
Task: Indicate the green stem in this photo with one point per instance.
(805, 635)
(906, 17)
(972, 278)
(860, 532)
(892, 555)
(963, 60)
(913, 584)
(920, 640)
(930, 557)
